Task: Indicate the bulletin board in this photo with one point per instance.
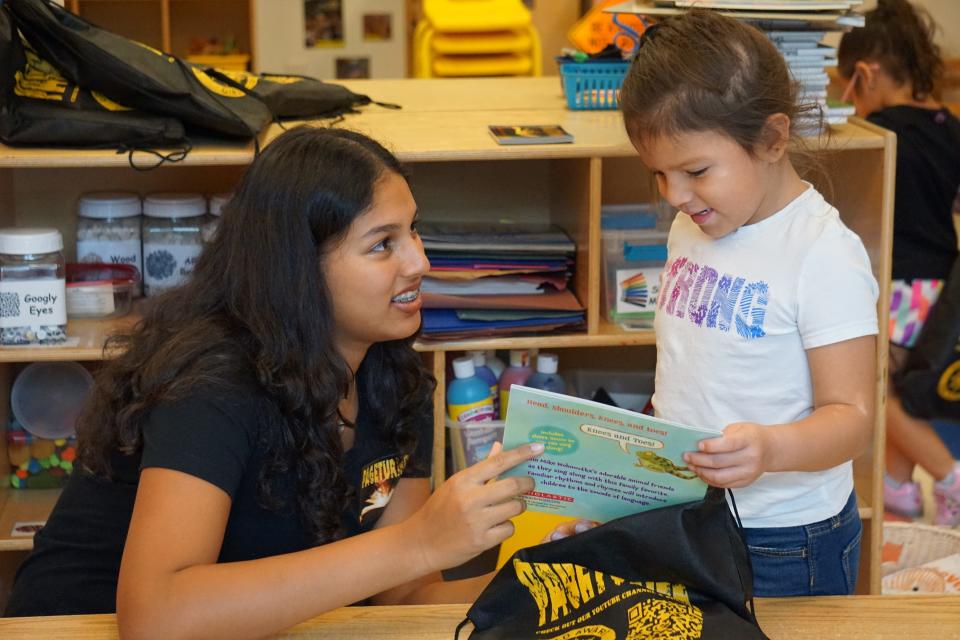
(332, 39)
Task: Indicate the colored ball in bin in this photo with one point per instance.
(42, 448)
(18, 454)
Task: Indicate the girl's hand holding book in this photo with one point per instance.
(471, 511)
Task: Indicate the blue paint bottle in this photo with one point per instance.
(487, 375)
(546, 376)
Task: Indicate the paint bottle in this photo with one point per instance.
(517, 373)
(546, 377)
(468, 396)
(487, 375)
(496, 364)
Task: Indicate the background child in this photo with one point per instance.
(892, 66)
(767, 310)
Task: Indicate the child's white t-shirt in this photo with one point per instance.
(734, 318)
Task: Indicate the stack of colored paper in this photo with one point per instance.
(497, 279)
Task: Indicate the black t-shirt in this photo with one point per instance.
(76, 558)
(928, 177)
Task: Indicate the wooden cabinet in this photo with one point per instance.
(170, 25)
(459, 172)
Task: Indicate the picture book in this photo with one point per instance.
(530, 134)
(600, 462)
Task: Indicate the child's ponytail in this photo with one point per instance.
(899, 36)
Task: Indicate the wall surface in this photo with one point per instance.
(279, 40)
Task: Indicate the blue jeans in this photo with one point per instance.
(816, 559)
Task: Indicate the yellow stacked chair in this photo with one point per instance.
(462, 38)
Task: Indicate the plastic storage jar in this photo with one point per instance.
(99, 290)
(172, 239)
(108, 229)
(212, 221)
(634, 254)
(33, 308)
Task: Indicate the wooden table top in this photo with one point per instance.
(824, 618)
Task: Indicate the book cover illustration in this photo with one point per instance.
(530, 134)
(600, 462)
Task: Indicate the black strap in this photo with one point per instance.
(747, 588)
(177, 155)
(463, 623)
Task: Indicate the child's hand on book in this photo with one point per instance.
(735, 459)
(567, 529)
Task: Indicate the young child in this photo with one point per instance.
(766, 319)
(891, 66)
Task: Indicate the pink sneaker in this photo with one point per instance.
(948, 500)
(904, 500)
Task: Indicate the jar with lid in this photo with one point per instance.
(108, 229)
(33, 306)
(213, 220)
(172, 239)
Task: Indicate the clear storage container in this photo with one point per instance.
(628, 389)
(97, 290)
(212, 221)
(172, 239)
(470, 442)
(634, 253)
(108, 229)
(33, 306)
(38, 463)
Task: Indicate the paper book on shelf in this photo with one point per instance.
(767, 5)
(529, 284)
(530, 134)
(501, 238)
(555, 301)
(601, 462)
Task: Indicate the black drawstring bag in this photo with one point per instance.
(677, 573)
(38, 106)
(929, 381)
(292, 96)
(135, 75)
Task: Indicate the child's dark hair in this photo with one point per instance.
(899, 37)
(702, 71)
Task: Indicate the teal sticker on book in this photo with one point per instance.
(600, 462)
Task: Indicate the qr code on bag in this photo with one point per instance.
(9, 304)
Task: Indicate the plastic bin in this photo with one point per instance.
(470, 442)
(593, 85)
(634, 253)
(629, 389)
(38, 463)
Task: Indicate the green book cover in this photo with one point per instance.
(600, 462)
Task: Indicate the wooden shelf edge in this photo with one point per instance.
(612, 339)
(23, 505)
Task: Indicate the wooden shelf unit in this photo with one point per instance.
(169, 25)
(458, 172)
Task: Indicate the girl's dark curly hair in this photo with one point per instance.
(899, 37)
(257, 309)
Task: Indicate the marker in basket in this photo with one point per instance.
(530, 134)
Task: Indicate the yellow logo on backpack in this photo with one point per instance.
(562, 590)
(247, 80)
